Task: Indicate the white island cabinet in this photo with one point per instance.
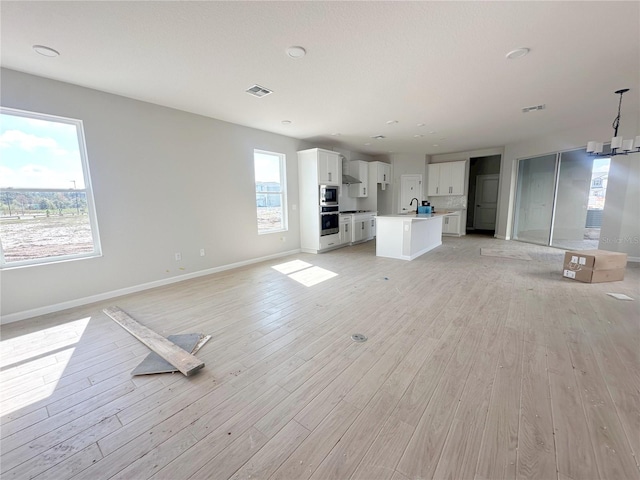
(406, 237)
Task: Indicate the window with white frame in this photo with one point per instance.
(47, 212)
(271, 204)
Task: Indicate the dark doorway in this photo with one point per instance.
(479, 168)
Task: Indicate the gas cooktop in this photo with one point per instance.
(356, 211)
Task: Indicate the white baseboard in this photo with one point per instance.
(15, 317)
(501, 237)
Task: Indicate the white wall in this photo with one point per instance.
(405, 164)
(164, 181)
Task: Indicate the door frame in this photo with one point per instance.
(407, 176)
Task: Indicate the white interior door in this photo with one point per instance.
(484, 215)
(410, 187)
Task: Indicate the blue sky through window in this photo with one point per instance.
(267, 167)
(37, 153)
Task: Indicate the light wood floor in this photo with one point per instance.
(475, 367)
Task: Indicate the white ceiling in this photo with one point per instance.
(438, 63)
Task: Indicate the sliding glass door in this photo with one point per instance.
(534, 199)
(559, 199)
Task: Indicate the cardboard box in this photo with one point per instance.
(594, 266)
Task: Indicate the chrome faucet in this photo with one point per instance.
(417, 203)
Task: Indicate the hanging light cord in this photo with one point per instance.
(616, 121)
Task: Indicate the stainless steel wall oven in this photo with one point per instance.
(329, 220)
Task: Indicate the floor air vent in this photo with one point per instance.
(358, 337)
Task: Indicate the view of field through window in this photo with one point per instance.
(33, 226)
(44, 209)
(269, 177)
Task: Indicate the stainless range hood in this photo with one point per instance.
(348, 179)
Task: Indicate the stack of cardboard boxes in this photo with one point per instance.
(594, 266)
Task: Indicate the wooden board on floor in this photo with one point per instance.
(182, 360)
(154, 363)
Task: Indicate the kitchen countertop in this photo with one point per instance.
(419, 216)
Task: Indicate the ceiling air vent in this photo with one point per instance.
(258, 91)
(534, 108)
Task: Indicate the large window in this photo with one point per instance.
(46, 206)
(271, 204)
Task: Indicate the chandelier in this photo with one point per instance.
(619, 146)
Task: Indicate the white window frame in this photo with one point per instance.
(282, 192)
(91, 210)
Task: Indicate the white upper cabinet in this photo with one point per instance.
(446, 179)
(360, 170)
(329, 168)
(383, 172)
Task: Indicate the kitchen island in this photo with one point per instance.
(407, 236)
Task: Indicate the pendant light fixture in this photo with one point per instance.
(619, 146)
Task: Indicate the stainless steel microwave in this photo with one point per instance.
(328, 195)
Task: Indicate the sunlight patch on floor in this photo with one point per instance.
(24, 357)
(312, 276)
(304, 273)
(290, 267)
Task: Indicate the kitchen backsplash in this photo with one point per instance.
(452, 201)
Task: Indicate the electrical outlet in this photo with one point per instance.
(202, 252)
(178, 257)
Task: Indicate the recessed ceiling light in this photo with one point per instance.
(421, 125)
(378, 137)
(433, 132)
(391, 122)
(46, 51)
(336, 134)
(418, 136)
(436, 145)
(286, 122)
(517, 53)
(296, 52)
(368, 143)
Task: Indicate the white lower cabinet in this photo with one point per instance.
(364, 227)
(359, 227)
(345, 229)
(329, 241)
(451, 225)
